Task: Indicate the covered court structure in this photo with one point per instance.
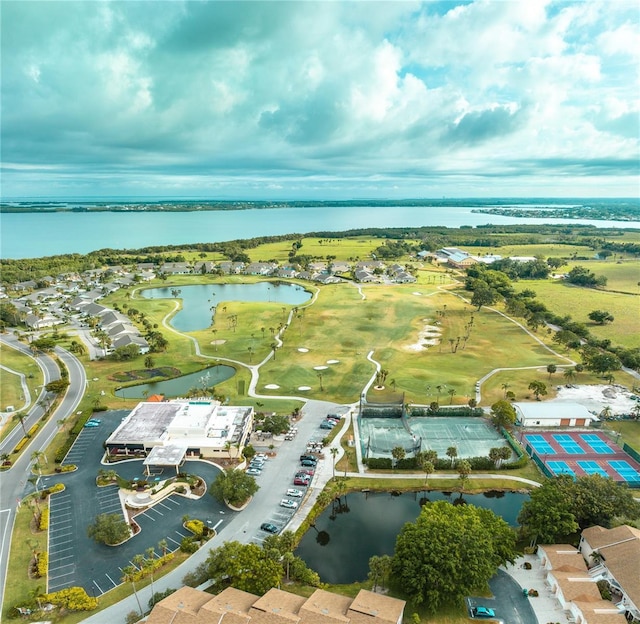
(383, 427)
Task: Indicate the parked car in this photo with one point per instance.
(94, 420)
(301, 480)
(256, 464)
(311, 457)
(310, 463)
(306, 471)
(90, 424)
(288, 503)
(261, 456)
(482, 612)
(334, 416)
(327, 424)
(295, 493)
(254, 472)
(269, 528)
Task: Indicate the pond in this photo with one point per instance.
(179, 386)
(199, 301)
(345, 537)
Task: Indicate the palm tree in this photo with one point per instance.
(452, 453)
(149, 563)
(398, 454)
(464, 469)
(426, 465)
(334, 453)
(37, 456)
(128, 574)
(439, 389)
(451, 392)
(505, 386)
(163, 546)
(569, 374)
(551, 368)
(21, 417)
(320, 379)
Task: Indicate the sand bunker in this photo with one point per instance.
(427, 337)
(272, 386)
(304, 387)
(218, 342)
(596, 398)
(333, 361)
(320, 367)
(417, 294)
(303, 350)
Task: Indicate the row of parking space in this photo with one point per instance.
(86, 441)
(62, 547)
(292, 498)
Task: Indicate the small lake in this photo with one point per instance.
(343, 540)
(199, 299)
(179, 386)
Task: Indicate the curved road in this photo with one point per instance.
(13, 482)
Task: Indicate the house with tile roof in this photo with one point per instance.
(233, 606)
(614, 556)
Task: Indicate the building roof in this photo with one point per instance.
(552, 410)
(620, 549)
(565, 558)
(232, 606)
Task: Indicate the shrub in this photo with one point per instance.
(72, 598)
(42, 565)
(33, 430)
(380, 463)
(188, 545)
(196, 527)
(605, 590)
(43, 525)
(20, 444)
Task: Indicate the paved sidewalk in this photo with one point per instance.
(546, 606)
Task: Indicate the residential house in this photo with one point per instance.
(614, 556)
(568, 578)
(35, 321)
(231, 268)
(233, 606)
(364, 276)
(175, 268)
(126, 339)
(260, 268)
(286, 272)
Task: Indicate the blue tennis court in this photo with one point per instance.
(560, 467)
(597, 443)
(540, 445)
(591, 467)
(569, 445)
(624, 469)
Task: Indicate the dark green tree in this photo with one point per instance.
(234, 487)
(449, 552)
(247, 567)
(503, 414)
(109, 529)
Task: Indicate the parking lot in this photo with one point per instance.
(74, 558)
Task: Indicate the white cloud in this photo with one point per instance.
(329, 91)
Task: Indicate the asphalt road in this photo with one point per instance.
(13, 482)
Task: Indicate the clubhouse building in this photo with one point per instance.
(168, 432)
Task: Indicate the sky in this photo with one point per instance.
(320, 100)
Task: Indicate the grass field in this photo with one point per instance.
(12, 392)
(565, 299)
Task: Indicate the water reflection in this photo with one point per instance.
(179, 386)
(364, 524)
(200, 301)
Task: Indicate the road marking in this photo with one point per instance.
(98, 586)
(218, 524)
(114, 583)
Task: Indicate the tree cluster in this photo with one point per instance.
(563, 505)
(450, 552)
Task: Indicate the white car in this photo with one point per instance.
(261, 457)
(254, 472)
(289, 504)
(295, 493)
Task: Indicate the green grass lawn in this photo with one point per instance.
(12, 393)
(563, 298)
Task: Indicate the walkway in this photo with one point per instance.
(4, 416)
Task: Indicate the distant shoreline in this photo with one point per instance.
(623, 209)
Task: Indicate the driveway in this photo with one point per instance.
(508, 602)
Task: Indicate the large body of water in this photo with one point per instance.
(346, 537)
(33, 235)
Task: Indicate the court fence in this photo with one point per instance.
(631, 452)
(515, 447)
(545, 471)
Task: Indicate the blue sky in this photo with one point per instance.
(330, 99)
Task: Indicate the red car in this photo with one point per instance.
(303, 480)
(306, 471)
